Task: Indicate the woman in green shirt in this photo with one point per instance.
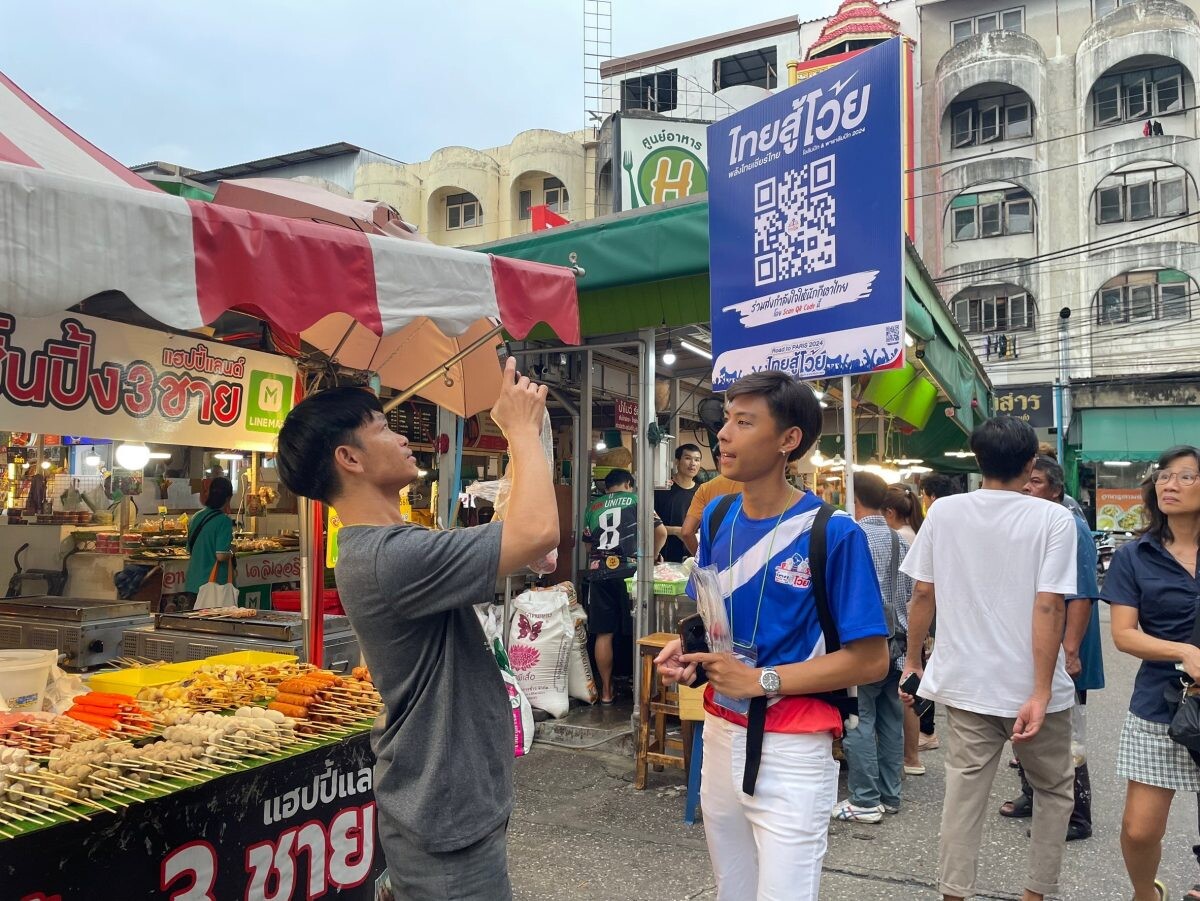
(210, 538)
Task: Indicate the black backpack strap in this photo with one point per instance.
(756, 727)
(720, 511)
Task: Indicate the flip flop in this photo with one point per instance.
(1017, 808)
(607, 703)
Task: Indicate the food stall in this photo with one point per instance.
(157, 785)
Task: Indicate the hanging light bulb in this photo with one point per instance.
(92, 458)
(601, 446)
(669, 356)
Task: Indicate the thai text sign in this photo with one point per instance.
(661, 160)
(1032, 403)
(805, 227)
(626, 415)
(300, 828)
(90, 376)
(1119, 510)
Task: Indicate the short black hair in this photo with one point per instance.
(220, 490)
(1157, 524)
(618, 477)
(686, 449)
(791, 402)
(1003, 447)
(1050, 467)
(869, 490)
(938, 485)
(310, 434)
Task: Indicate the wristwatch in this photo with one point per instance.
(770, 682)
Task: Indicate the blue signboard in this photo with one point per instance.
(805, 226)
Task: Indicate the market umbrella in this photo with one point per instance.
(465, 368)
(304, 200)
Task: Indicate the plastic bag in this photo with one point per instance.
(705, 587)
(498, 491)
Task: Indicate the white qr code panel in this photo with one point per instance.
(795, 217)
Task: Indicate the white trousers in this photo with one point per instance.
(767, 846)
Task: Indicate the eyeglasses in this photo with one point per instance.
(1187, 478)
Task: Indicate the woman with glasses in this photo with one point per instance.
(1153, 590)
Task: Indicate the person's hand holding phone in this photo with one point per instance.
(910, 681)
(671, 666)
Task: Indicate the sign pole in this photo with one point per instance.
(848, 424)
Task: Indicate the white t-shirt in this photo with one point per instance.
(988, 553)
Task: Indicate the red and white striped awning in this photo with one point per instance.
(74, 222)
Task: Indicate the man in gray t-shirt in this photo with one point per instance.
(444, 744)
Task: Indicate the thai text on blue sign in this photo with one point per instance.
(805, 226)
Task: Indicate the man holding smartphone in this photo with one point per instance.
(444, 744)
(769, 777)
(997, 565)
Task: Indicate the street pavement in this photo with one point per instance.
(580, 831)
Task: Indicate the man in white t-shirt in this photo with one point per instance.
(998, 564)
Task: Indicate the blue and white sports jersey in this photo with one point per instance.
(789, 630)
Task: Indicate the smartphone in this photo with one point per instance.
(692, 635)
(909, 686)
(694, 639)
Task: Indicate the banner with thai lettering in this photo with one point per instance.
(661, 159)
(1119, 510)
(806, 235)
(1032, 403)
(299, 828)
(81, 375)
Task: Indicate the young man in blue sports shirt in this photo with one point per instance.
(767, 831)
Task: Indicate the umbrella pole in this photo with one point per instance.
(442, 370)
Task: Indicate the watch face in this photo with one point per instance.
(770, 681)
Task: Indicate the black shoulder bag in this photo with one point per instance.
(191, 542)
(845, 700)
(1185, 707)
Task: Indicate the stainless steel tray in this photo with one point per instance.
(278, 625)
(78, 610)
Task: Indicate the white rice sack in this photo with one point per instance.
(539, 644)
(581, 682)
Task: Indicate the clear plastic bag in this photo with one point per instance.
(710, 604)
(498, 491)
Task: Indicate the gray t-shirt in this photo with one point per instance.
(445, 740)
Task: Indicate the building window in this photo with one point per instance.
(988, 119)
(1135, 95)
(655, 92)
(996, 313)
(1144, 296)
(524, 205)
(462, 211)
(1008, 211)
(1006, 20)
(755, 67)
(1102, 8)
(1142, 194)
(555, 195)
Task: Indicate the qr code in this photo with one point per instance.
(795, 217)
(892, 334)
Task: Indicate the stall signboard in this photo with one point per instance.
(282, 568)
(303, 827)
(415, 420)
(806, 231)
(1119, 510)
(120, 381)
(626, 415)
(661, 160)
(1033, 404)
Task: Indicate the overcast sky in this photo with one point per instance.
(211, 83)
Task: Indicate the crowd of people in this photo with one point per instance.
(830, 623)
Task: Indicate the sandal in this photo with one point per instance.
(1193, 893)
(1162, 890)
(1017, 808)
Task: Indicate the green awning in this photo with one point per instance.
(1136, 434)
(916, 318)
(632, 248)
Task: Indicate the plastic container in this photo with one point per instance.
(251, 658)
(182, 669)
(23, 677)
(131, 681)
(290, 601)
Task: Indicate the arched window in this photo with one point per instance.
(463, 211)
(990, 213)
(1138, 89)
(994, 308)
(1000, 114)
(1143, 190)
(1144, 295)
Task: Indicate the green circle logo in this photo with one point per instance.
(671, 173)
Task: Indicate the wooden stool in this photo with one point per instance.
(656, 702)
